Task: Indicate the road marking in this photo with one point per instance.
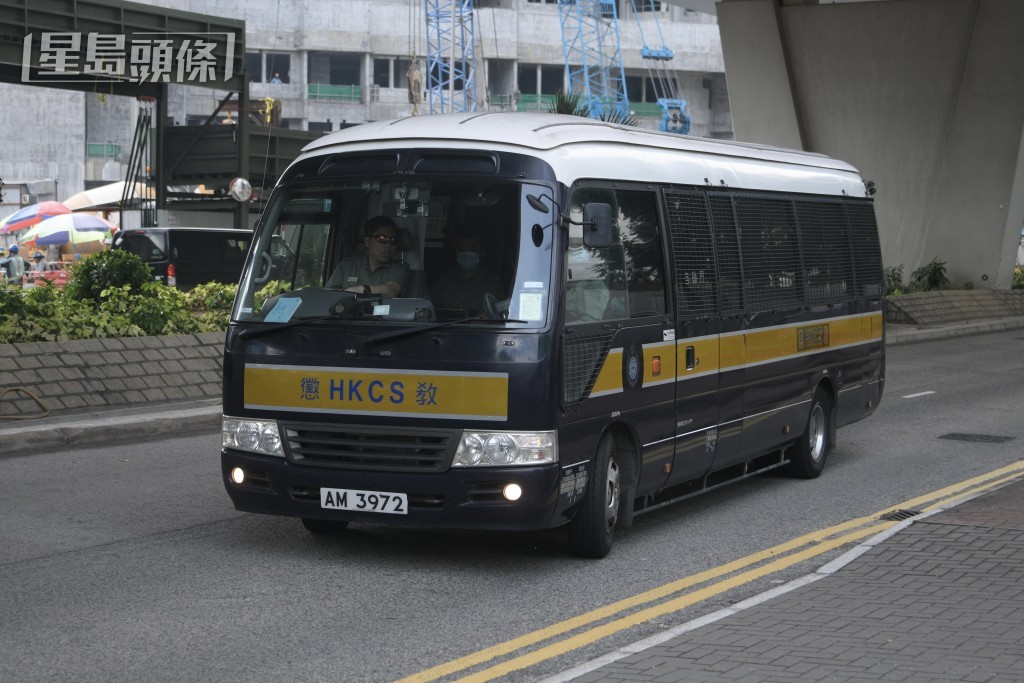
(923, 393)
(782, 556)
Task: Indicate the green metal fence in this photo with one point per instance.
(336, 93)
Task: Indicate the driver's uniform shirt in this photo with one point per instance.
(355, 270)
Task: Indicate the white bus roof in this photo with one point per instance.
(577, 147)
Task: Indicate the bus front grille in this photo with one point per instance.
(369, 448)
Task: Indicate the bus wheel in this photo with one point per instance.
(809, 454)
(324, 526)
(590, 531)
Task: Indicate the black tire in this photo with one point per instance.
(808, 455)
(324, 526)
(591, 530)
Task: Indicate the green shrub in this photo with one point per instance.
(894, 280)
(95, 274)
(152, 309)
(272, 288)
(1018, 277)
(572, 103)
(930, 276)
(45, 313)
(212, 303)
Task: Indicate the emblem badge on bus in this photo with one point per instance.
(632, 367)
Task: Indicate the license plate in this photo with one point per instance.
(364, 501)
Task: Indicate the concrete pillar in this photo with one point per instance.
(925, 97)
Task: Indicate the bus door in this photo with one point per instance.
(696, 334)
(616, 297)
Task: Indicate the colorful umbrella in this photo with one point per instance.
(71, 228)
(31, 215)
(108, 196)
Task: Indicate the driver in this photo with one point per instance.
(376, 271)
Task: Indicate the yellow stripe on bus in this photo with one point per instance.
(363, 391)
(609, 380)
(737, 350)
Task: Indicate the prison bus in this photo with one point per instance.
(652, 316)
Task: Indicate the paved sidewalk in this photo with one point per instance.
(942, 600)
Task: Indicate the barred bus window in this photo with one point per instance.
(693, 254)
(727, 246)
(771, 253)
(867, 254)
(828, 269)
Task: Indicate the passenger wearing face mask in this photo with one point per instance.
(464, 286)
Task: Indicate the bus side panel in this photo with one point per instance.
(861, 390)
(633, 391)
(697, 399)
(776, 391)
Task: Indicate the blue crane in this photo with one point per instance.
(593, 55)
(674, 118)
(451, 65)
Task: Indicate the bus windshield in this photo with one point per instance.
(399, 252)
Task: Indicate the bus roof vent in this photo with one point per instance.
(359, 164)
(453, 162)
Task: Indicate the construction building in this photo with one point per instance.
(319, 66)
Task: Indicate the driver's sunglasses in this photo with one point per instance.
(386, 239)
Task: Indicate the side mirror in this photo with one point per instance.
(597, 225)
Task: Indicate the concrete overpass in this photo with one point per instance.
(925, 97)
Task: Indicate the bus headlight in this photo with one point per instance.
(503, 449)
(257, 436)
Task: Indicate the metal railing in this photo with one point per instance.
(337, 93)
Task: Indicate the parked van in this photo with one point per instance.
(186, 257)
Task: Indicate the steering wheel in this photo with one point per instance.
(494, 308)
(282, 247)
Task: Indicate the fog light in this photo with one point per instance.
(512, 491)
(237, 475)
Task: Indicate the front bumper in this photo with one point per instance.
(464, 498)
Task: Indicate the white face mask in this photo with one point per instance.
(468, 260)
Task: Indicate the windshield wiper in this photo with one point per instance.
(259, 332)
(388, 336)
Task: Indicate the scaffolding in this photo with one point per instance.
(593, 55)
(451, 70)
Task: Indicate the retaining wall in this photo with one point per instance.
(91, 374)
(954, 305)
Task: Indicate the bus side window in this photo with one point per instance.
(641, 242)
(694, 254)
(626, 279)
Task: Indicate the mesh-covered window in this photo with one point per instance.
(693, 254)
(828, 271)
(583, 354)
(727, 248)
(867, 254)
(771, 253)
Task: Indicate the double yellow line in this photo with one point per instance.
(719, 579)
